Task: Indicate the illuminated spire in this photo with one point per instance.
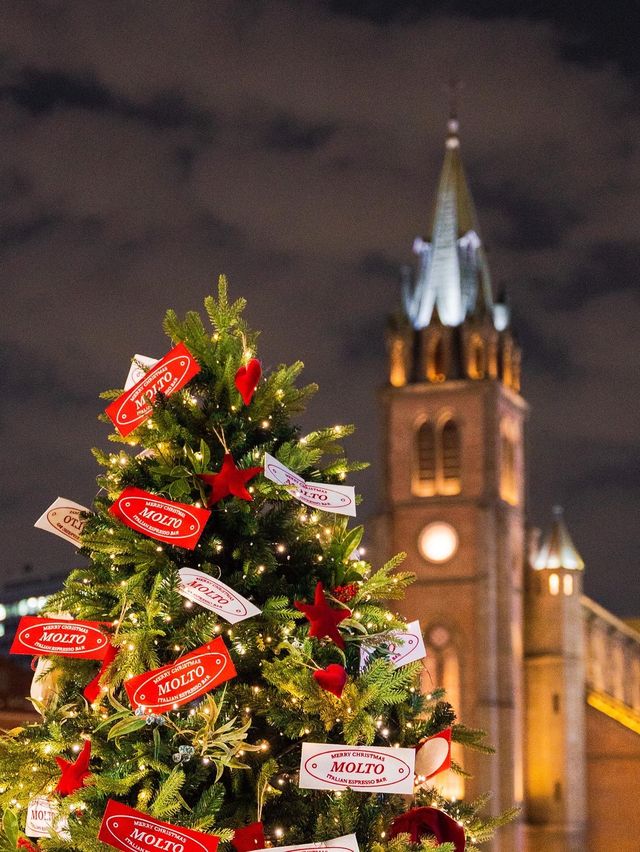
(452, 269)
(558, 551)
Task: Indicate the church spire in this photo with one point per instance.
(452, 269)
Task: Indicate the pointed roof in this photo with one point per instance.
(453, 272)
(558, 550)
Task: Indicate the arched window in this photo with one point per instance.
(436, 361)
(424, 478)
(449, 458)
(476, 359)
(397, 365)
(507, 363)
(508, 463)
(442, 669)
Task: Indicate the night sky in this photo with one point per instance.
(145, 147)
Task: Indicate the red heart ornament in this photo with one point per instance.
(247, 379)
(332, 679)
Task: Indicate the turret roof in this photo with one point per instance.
(558, 550)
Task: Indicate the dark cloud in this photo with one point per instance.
(532, 224)
(42, 91)
(286, 133)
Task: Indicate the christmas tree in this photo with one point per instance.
(225, 667)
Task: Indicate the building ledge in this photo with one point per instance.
(614, 709)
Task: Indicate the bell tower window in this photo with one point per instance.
(435, 360)
(449, 458)
(476, 360)
(436, 466)
(508, 463)
(424, 479)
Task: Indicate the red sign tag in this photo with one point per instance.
(159, 518)
(125, 828)
(170, 374)
(40, 637)
(169, 687)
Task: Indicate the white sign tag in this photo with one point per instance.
(329, 498)
(62, 518)
(347, 843)
(336, 767)
(408, 647)
(215, 595)
(139, 366)
(43, 819)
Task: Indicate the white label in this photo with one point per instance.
(42, 819)
(405, 647)
(329, 498)
(62, 518)
(347, 843)
(334, 767)
(139, 366)
(215, 595)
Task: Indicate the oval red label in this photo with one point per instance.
(45, 636)
(140, 835)
(191, 676)
(169, 375)
(164, 520)
(132, 831)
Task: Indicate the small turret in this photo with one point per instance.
(554, 677)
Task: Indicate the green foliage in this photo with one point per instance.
(245, 735)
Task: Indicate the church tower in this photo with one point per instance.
(454, 484)
(555, 758)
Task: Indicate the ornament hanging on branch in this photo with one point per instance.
(429, 822)
(193, 675)
(340, 499)
(324, 620)
(161, 519)
(170, 374)
(94, 688)
(73, 773)
(332, 679)
(44, 686)
(230, 480)
(123, 828)
(433, 755)
(248, 838)
(247, 379)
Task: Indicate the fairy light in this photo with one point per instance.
(278, 832)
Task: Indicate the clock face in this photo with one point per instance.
(438, 542)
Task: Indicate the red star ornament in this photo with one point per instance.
(73, 774)
(323, 619)
(332, 679)
(230, 480)
(249, 837)
(247, 379)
